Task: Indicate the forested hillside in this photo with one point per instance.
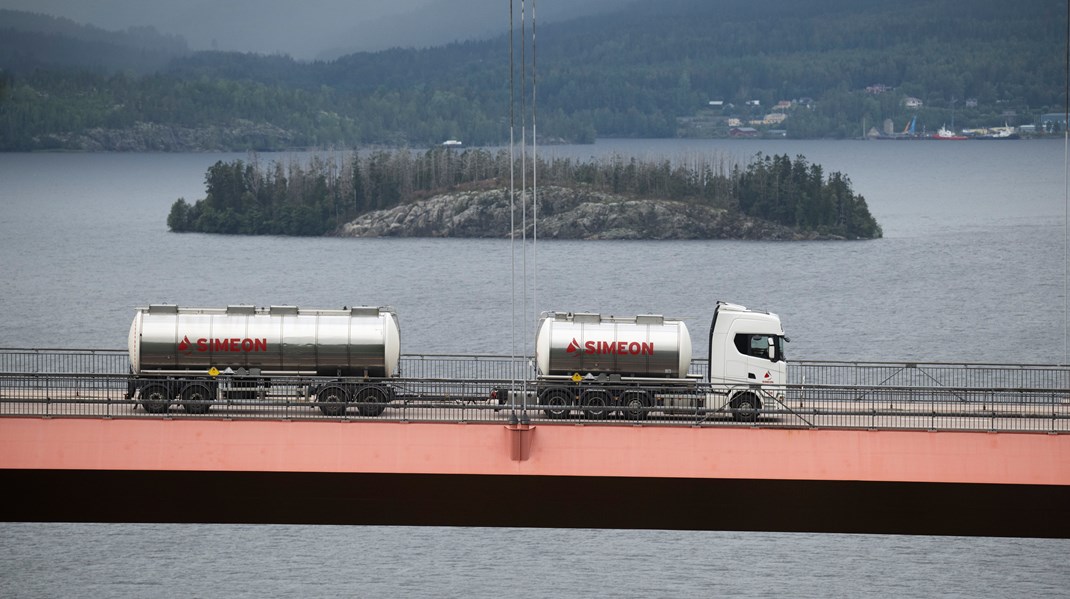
(30, 42)
(648, 71)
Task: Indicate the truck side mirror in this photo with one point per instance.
(772, 349)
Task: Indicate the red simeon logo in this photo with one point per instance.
(633, 348)
(234, 344)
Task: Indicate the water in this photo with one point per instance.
(971, 269)
(97, 560)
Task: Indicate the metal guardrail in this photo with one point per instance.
(930, 374)
(439, 400)
(442, 388)
(472, 367)
(87, 361)
(482, 367)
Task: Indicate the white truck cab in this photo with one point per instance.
(747, 359)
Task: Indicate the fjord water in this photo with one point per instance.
(971, 269)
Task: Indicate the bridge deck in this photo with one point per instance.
(893, 448)
(212, 470)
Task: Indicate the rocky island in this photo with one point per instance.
(442, 193)
(564, 213)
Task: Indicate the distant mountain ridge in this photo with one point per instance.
(655, 68)
(33, 41)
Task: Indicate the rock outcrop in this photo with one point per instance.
(564, 214)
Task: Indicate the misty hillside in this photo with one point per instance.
(649, 70)
(309, 29)
(32, 41)
(442, 22)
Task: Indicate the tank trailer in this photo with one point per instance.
(199, 355)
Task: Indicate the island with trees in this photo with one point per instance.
(446, 193)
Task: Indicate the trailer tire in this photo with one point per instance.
(197, 398)
(595, 405)
(373, 400)
(745, 407)
(634, 405)
(155, 398)
(558, 402)
(332, 400)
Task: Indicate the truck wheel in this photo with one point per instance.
(745, 407)
(634, 404)
(595, 404)
(558, 402)
(372, 400)
(332, 400)
(196, 398)
(155, 398)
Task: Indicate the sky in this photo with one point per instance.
(308, 29)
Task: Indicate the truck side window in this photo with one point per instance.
(753, 345)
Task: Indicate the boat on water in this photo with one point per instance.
(943, 133)
(1003, 132)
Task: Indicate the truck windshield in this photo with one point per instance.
(758, 345)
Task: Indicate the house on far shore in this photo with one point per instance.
(743, 132)
(912, 102)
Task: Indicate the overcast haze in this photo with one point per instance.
(307, 29)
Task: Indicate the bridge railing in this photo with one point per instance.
(502, 401)
(929, 374)
(492, 367)
(45, 360)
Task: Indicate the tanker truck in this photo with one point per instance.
(601, 364)
(195, 356)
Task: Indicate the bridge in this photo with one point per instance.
(882, 448)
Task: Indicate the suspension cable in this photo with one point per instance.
(535, 183)
(512, 202)
(524, 161)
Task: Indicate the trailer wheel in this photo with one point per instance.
(196, 398)
(372, 400)
(558, 402)
(634, 404)
(155, 398)
(332, 400)
(745, 407)
(595, 404)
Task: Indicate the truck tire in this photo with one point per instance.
(371, 400)
(197, 398)
(634, 404)
(595, 404)
(155, 398)
(332, 400)
(558, 403)
(745, 407)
